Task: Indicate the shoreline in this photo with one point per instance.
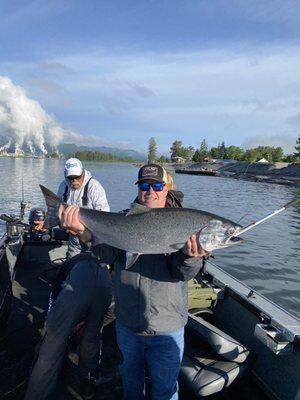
(277, 173)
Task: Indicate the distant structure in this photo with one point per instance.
(3, 152)
(179, 160)
(263, 160)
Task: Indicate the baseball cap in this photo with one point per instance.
(73, 167)
(152, 171)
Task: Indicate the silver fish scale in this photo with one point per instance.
(158, 231)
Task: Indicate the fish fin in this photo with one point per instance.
(53, 202)
(131, 259)
(177, 246)
(136, 208)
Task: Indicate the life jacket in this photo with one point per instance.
(84, 198)
(174, 199)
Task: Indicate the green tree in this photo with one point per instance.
(215, 152)
(223, 151)
(219, 152)
(289, 158)
(197, 156)
(203, 149)
(163, 159)
(176, 149)
(201, 153)
(101, 157)
(265, 152)
(277, 154)
(234, 153)
(188, 152)
(54, 155)
(297, 147)
(251, 155)
(152, 149)
(271, 154)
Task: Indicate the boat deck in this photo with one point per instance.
(25, 330)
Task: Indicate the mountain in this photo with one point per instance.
(69, 148)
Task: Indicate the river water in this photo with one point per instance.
(268, 260)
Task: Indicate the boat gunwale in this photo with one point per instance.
(263, 307)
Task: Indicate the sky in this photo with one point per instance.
(117, 72)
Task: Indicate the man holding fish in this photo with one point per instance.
(150, 288)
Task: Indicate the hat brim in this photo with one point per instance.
(149, 178)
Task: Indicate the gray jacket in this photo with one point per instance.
(151, 296)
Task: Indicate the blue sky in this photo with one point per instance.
(119, 72)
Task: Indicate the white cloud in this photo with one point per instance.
(287, 142)
(229, 94)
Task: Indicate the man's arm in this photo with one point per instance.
(70, 220)
(105, 253)
(61, 189)
(98, 196)
(186, 263)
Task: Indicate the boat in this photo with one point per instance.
(200, 171)
(239, 345)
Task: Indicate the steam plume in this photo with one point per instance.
(24, 124)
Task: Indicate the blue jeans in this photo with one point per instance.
(161, 353)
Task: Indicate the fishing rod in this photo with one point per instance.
(22, 203)
(253, 224)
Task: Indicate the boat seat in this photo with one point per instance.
(212, 359)
(222, 344)
(200, 297)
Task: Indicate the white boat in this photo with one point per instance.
(239, 345)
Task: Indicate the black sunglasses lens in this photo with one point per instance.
(74, 178)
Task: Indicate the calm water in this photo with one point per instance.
(268, 261)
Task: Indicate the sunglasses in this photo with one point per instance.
(156, 186)
(74, 178)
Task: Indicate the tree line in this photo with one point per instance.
(88, 155)
(223, 152)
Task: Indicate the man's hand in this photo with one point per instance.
(39, 226)
(70, 220)
(192, 248)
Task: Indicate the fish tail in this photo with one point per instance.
(53, 203)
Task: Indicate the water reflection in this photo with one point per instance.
(267, 261)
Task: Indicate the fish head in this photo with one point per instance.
(218, 234)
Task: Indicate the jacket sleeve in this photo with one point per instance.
(105, 253)
(98, 196)
(183, 267)
(61, 189)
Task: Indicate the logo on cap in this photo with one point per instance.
(150, 171)
(70, 165)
